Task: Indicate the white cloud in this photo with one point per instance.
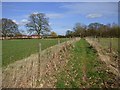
(15, 21)
(35, 12)
(51, 15)
(54, 15)
(50, 23)
(94, 15)
(69, 29)
(22, 22)
(85, 8)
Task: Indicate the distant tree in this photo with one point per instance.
(61, 36)
(38, 23)
(114, 30)
(53, 34)
(9, 28)
(79, 29)
(19, 34)
(118, 31)
(94, 29)
(69, 33)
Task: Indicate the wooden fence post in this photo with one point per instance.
(58, 41)
(39, 59)
(110, 47)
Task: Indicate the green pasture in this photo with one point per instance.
(105, 42)
(13, 50)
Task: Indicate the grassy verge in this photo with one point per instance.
(13, 50)
(83, 69)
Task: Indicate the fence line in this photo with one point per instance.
(29, 72)
(110, 44)
(110, 59)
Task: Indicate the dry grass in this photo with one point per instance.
(25, 74)
(110, 59)
(105, 56)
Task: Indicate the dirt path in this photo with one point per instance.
(84, 69)
(80, 71)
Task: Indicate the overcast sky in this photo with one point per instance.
(62, 15)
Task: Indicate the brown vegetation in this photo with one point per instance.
(24, 73)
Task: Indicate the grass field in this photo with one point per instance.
(82, 69)
(105, 42)
(13, 50)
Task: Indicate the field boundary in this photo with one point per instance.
(24, 73)
(111, 61)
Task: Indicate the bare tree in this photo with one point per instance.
(69, 33)
(79, 29)
(9, 28)
(38, 23)
(53, 34)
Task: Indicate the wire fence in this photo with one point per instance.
(110, 44)
(35, 70)
(106, 54)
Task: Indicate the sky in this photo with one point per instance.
(60, 0)
(62, 15)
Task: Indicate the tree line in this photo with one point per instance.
(38, 24)
(95, 30)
